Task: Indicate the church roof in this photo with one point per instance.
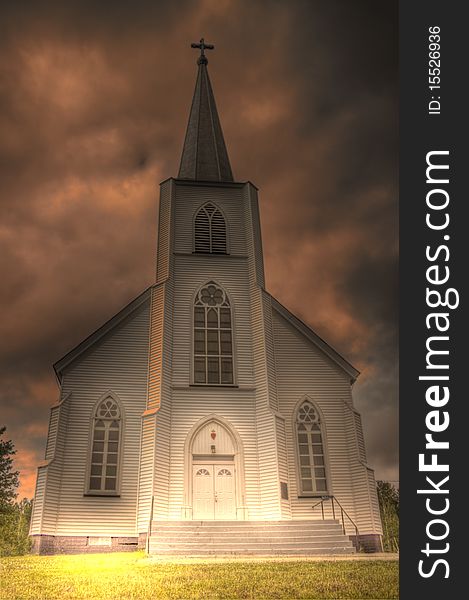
(61, 364)
(204, 155)
(315, 339)
(102, 331)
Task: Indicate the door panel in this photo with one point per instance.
(203, 496)
(225, 506)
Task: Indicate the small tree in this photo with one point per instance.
(8, 478)
(14, 516)
(388, 497)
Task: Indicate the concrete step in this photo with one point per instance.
(327, 550)
(199, 538)
(246, 532)
(216, 523)
(339, 539)
(241, 524)
(253, 544)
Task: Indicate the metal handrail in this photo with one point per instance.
(343, 513)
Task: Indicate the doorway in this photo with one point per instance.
(213, 491)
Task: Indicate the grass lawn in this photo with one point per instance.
(133, 576)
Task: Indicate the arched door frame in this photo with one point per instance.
(241, 510)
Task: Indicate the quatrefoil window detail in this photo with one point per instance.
(108, 409)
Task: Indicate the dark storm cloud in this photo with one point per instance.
(94, 99)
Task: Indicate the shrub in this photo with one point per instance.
(14, 528)
(388, 497)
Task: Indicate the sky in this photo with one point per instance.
(94, 100)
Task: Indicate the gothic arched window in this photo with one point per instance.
(213, 343)
(210, 230)
(105, 450)
(311, 455)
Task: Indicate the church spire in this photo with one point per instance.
(204, 156)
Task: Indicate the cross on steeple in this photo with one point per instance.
(202, 46)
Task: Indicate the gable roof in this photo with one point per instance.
(94, 337)
(313, 337)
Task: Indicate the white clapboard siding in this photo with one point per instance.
(149, 418)
(52, 433)
(165, 231)
(117, 364)
(146, 471)
(266, 433)
(366, 500)
(360, 437)
(38, 501)
(283, 464)
(162, 459)
(375, 514)
(253, 230)
(303, 370)
(270, 351)
(55, 468)
(48, 485)
(264, 365)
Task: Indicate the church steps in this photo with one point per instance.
(247, 524)
(326, 550)
(249, 543)
(239, 526)
(193, 538)
(245, 531)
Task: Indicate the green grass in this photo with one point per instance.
(133, 576)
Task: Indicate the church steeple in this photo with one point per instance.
(204, 156)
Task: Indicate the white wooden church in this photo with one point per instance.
(205, 417)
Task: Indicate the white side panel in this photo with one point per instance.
(165, 226)
(146, 473)
(283, 465)
(162, 457)
(367, 514)
(38, 502)
(48, 487)
(118, 363)
(304, 370)
(264, 369)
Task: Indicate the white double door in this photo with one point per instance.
(213, 491)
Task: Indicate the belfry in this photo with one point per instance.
(204, 417)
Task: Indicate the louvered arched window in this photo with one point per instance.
(210, 230)
(311, 457)
(213, 343)
(105, 449)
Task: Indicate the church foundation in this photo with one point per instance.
(70, 544)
